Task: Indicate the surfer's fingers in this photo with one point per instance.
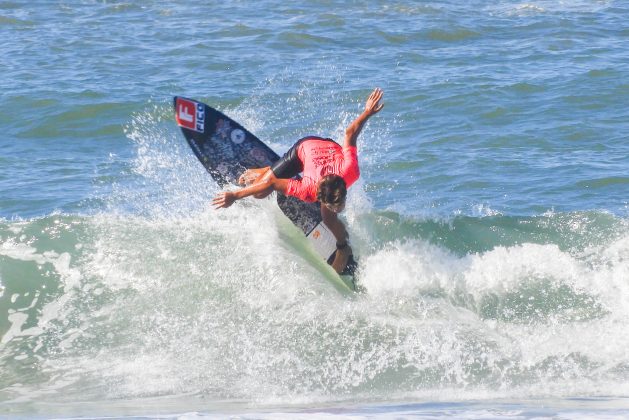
(219, 200)
(374, 98)
(375, 104)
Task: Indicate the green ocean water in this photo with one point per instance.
(490, 218)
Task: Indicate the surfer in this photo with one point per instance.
(328, 170)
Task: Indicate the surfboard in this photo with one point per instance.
(226, 149)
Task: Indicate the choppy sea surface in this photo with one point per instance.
(491, 218)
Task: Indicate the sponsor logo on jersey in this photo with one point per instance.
(190, 115)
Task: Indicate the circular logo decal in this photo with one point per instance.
(238, 136)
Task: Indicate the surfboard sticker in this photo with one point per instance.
(190, 114)
(226, 149)
(222, 145)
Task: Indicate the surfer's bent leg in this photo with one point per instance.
(286, 167)
(289, 165)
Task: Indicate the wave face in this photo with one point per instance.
(119, 306)
(491, 218)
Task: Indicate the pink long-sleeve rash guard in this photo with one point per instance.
(321, 158)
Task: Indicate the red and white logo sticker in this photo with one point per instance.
(190, 115)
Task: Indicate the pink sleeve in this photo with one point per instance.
(302, 189)
(350, 171)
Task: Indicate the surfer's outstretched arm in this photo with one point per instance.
(268, 183)
(372, 106)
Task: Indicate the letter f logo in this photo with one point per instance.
(186, 114)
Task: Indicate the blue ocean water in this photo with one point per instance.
(491, 218)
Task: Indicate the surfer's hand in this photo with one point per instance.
(341, 258)
(224, 200)
(373, 104)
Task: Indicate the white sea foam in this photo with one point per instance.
(166, 296)
(227, 303)
(550, 6)
(60, 262)
(196, 306)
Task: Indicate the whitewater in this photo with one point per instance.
(491, 218)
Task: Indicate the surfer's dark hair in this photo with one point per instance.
(332, 190)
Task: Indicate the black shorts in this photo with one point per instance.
(289, 165)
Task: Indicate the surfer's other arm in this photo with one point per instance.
(343, 250)
(372, 106)
(267, 183)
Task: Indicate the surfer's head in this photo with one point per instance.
(332, 192)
